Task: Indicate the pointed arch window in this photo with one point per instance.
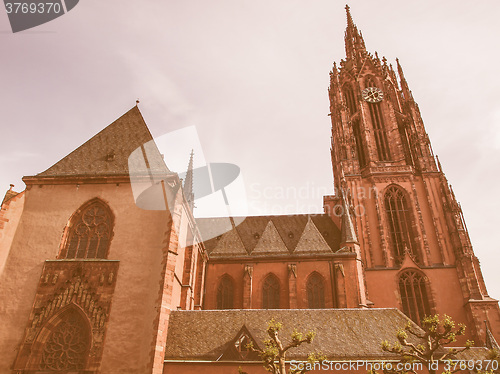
(356, 130)
(271, 292)
(414, 292)
(315, 291)
(350, 99)
(400, 225)
(90, 232)
(67, 346)
(378, 124)
(225, 293)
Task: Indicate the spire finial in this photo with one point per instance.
(188, 182)
(349, 17)
(354, 43)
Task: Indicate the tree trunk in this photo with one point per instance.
(282, 366)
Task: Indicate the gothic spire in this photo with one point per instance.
(404, 84)
(347, 231)
(350, 22)
(354, 43)
(188, 183)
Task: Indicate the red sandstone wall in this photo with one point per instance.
(434, 247)
(261, 269)
(137, 243)
(383, 290)
(9, 219)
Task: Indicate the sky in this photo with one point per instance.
(252, 79)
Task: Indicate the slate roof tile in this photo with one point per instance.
(341, 334)
(287, 229)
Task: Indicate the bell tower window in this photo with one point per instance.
(350, 99)
(399, 222)
(359, 143)
(379, 130)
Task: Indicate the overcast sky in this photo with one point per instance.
(252, 76)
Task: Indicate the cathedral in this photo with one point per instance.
(90, 282)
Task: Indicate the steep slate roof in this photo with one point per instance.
(107, 153)
(269, 235)
(341, 334)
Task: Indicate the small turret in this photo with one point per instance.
(188, 183)
(347, 231)
(404, 84)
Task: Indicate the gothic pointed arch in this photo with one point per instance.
(78, 293)
(315, 287)
(225, 293)
(360, 151)
(378, 123)
(414, 290)
(350, 98)
(400, 225)
(89, 232)
(271, 292)
(64, 342)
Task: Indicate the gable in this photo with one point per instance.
(237, 348)
(229, 244)
(270, 241)
(107, 153)
(269, 235)
(311, 240)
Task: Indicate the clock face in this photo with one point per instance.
(372, 94)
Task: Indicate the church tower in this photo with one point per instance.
(415, 248)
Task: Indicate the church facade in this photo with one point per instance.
(92, 283)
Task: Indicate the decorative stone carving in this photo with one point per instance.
(292, 269)
(249, 270)
(69, 290)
